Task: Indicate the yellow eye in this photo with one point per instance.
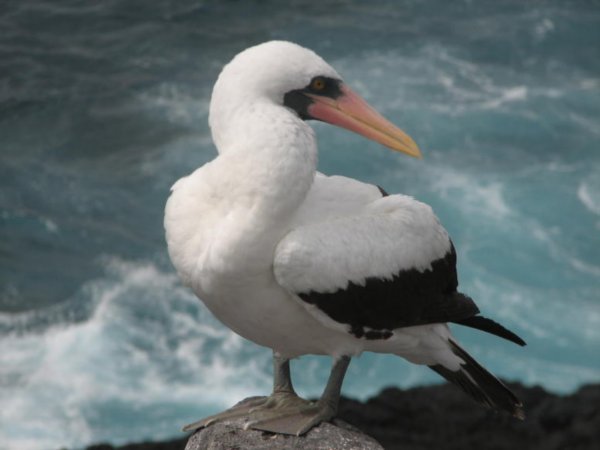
(318, 84)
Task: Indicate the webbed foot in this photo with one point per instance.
(281, 412)
(289, 415)
(242, 409)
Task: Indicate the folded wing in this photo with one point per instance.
(384, 265)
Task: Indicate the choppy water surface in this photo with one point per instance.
(104, 104)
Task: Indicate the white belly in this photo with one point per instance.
(262, 312)
(224, 252)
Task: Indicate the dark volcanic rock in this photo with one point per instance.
(327, 436)
(443, 417)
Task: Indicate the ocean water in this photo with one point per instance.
(103, 105)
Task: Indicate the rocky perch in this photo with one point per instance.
(327, 436)
(422, 419)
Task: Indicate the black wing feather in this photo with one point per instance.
(490, 326)
(411, 297)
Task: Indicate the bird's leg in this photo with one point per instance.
(283, 411)
(282, 380)
(283, 392)
(330, 398)
(289, 414)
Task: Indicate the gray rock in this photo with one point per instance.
(230, 435)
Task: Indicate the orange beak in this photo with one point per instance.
(351, 112)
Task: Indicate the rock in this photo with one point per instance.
(425, 418)
(443, 417)
(230, 435)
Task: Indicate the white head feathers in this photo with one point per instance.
(259, 74)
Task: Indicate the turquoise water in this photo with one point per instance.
(104, 105)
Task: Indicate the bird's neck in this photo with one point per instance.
(271, 158)
(247, 196)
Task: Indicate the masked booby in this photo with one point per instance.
(305, 263)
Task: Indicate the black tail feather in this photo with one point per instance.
(480, 384)
(492, 327)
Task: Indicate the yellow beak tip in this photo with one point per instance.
(412, 150)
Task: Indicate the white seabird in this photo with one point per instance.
(305, 263)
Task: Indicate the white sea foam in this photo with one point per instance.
(50, 225)
(582, 266)
(473, 194)
(589, 199)
(178, 105)
(543, 28)
(554, 245)
(590, 83)
(187, 111)
(149, 343)
(512, 94)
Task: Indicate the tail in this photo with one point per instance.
(480, 384)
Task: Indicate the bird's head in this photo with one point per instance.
(287, 74)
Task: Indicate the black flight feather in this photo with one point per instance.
(490, 326)
(480, 384)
